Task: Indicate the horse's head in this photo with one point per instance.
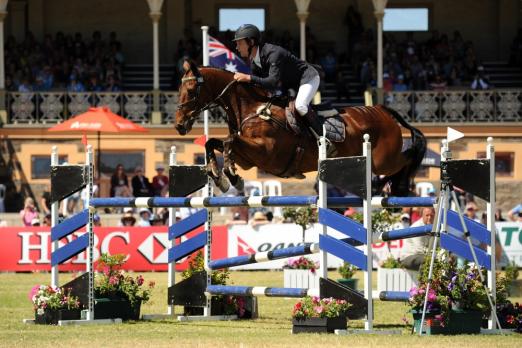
(192, 98)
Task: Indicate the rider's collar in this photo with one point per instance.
(257, 60)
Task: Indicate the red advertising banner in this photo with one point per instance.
(25, 249)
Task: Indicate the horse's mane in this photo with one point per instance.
(253, 90)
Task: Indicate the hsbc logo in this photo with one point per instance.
(155, 248)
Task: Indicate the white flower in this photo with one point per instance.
(40, 311)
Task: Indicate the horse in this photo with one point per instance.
(260, 137)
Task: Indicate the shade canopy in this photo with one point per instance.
(98, 119)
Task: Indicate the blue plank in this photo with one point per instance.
(344, 251)
(402, 296)
(398, 202)
(477, 230)
(70, 225)
(188, 224)
(234, 290)
(231, 262)
(343, 224)
(188, 247)
(70, 249)
(405, 233)
(461, 248)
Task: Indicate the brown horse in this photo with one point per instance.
(267, 143)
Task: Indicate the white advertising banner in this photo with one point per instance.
(510, 237)
(245, 239)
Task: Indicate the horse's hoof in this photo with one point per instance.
(239, 184)
(223, 184)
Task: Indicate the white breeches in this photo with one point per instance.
(306, 94)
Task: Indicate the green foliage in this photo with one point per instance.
(391, 262)
(347, 270)
(302, 216)
(313, 307)
(511, 271)
(197, 265)
(112, 281)
(382, 220)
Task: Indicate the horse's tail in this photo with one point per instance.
(415, 153)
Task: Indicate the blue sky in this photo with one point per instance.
(232, 18)
(405, 19)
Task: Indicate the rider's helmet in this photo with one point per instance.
(248, 31)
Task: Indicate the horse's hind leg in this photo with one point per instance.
(212, 166)
(229, 167)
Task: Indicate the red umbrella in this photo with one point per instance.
(99, 119)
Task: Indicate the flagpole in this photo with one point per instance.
(98, 164)
(204, 30)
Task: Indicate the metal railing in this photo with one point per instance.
(498, 105)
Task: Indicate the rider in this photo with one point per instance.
(274, 67)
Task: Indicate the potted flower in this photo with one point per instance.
(242, 306)
(312, 314)
(117, 294)
(300, 273)
(457, 300)
(347, 271)
(52, 304)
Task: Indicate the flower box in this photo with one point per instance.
(459, 322)
(52, 316)
(300, 278)
(109, 308)
(350, 282)
(396, 279)
(319, 325)
(218, 307)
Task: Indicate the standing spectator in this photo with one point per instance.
(29, 212)
(160, 182)
(141, 186)
(45, 200)
(480, 81)
(414, 249)
(120, 183)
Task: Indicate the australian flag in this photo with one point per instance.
(221, 57)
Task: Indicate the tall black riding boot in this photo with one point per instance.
(313, 122)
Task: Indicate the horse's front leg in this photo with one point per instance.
(229, 166)
(213, 170)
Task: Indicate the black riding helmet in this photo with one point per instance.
(247, 31)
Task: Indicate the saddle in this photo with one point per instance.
(325, 115)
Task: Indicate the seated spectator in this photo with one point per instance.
(112, 85)
(35, 222)
(387, 83)
(25, 86)
(400, 86)
(141, 186)
(29, 212)
(438, 84)
(145, 215)
(128, 219)
(120, 183)
(47, 220)
(480, 82)
(160, 182)
(259, 219)
(75, 86)
(414, 249)
(498, 215)
(236, 220)
(403, 223)
(96, 220)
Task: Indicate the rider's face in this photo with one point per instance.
(242, 48)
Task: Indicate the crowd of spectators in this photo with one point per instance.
(64, 62)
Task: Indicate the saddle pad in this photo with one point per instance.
(292, 122)
(335, 128)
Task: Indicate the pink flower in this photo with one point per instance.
(139, 280)
(113, 280)
(432, 296)
(319, 309)
(106, 270)
(33, 292)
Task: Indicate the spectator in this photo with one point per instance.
(438, 84)
(45, 200)
(25, 86)
(471, 212)
(259, 219)
(414, 249)
(47, 220)
(400, 86)
(35, 222)
(514, 213)
(144, 219)
(160, 182)
(141, 186)
(29, 212)
(498, 215)
(128, 219)
(403, 223)
(236, 220)
(120, 183)
(480, 81)
(96, 220)
(75, 86)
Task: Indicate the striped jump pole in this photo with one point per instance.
(260, 291)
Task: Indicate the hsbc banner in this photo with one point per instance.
(26, 249)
